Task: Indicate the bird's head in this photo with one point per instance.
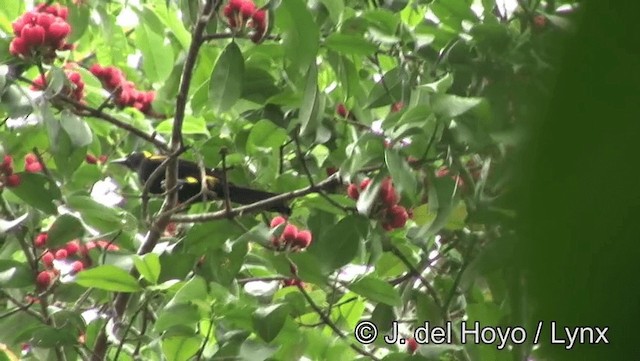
(132, 161)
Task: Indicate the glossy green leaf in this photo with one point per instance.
(64, 229)
(376, 290)
(349, 44)
(269, 320)
(340, 244)
(36, 190)
(180, 348)
(225, 86)
(14, 274)
(149, 266)
(108, 278)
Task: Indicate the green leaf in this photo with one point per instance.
(64, 229)
(300, 36)
(403, 176)
(180, 348)
(36, 190)
(452, 106)
(191, 125)
(340, 244)
(439, 86)
(350, 44)
(376, 290)
(77, 129)
(14, 274)
(265, 137)
(79, 20)
(225, 86)
(269, 320)
(185, 315)
(392, 87)
(335, 9)
(309, 115)
(104, 218)
(108, 278)
(157, 58)
(148, 266)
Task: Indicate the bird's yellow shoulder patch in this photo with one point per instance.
(211, 181)
(191, 180)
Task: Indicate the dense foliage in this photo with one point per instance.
(390, 126)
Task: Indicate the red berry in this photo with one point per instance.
(33, 167)
(443, 171)
(352, 191)
(45, 20)
(412, 345)
(236, 4)
(292, 282)
(290, 232)
(103, 158)
(57, 31)
(276, 221)
(398, 216)
(7, 161)
(61, 254)
(33, 35)
(388, 193)
(77, 266)
(342, 110)
(303, 239)
(397, 106)
(539, 21)
(47, 259)
(227, 11)
(331, 171)
(97, 70)
(247, 9)
(18, 47)
(72, 247)
(91, 159)
(13, 180)
(365, 183)
(259, 17)
(30, 158)
(40, 240)
(44, 278)
(18, 25)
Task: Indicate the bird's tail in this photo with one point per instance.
(244, 195)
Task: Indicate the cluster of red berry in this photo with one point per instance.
(72, 249)
(41, 31)
(244, 12)
(10, 179)
(7, 177)
(392, 214)
(76, 91)
(291, 237)
(125, 92)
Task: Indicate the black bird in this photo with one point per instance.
(144, 163)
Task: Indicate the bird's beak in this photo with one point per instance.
(120, 161)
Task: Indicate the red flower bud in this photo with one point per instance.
(91, 159)
(303, 239)
(365, 183)
(412, 345)
(33, 35)
(45, 20)
(247, 9)
(47, 259)
(61, 254)
(44, 278)
(40, 240)
(13, 180)
(30, 158)
(352, 191)
(342, 110)
(103, 158)
(18, 47)
(290, 232)
(7, 161)
(276, 221)
(57, 32)
(33, 167)
(72, 247)
(396, 107)
(77, 266)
